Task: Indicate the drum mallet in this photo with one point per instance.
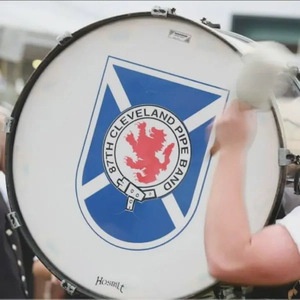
(259, 75)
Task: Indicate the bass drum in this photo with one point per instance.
(108, 163)
(289, 108)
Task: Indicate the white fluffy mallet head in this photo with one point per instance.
(258, 78)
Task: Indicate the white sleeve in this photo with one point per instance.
(292, 223)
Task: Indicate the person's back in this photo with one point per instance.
(12, 275)
(12, 284)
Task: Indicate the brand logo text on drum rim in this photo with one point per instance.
(146, 153)
(115, 284)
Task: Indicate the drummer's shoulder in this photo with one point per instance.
(295, 213)
(296, 210)
(292, 224)
(270, 258)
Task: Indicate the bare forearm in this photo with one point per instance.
(227, 230)
(233, 254)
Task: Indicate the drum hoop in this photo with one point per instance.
(10, 138)
(283, 169)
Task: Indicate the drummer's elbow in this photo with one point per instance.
(217, 269)
(225, 270)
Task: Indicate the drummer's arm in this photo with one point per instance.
(269, 257)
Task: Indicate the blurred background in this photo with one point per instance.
(28, 29)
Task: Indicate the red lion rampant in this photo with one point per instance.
(145, 147)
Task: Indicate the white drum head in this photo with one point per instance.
(108, 160)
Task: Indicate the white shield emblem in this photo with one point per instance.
(143, 163)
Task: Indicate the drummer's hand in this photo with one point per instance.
(40, 271)
(56, 290)
(235, 127)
